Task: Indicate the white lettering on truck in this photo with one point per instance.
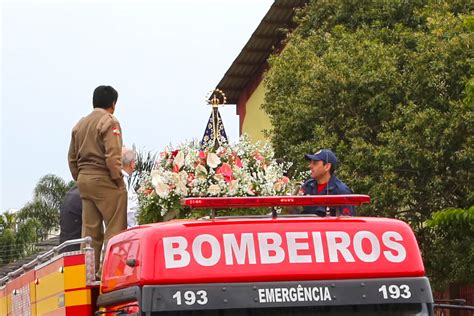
(294, 294)
(274, 248)
(231, 247)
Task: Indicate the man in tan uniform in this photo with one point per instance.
(95, 161)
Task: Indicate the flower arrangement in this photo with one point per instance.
(241, 169)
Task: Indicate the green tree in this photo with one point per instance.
(20, 231)
(388, 85)
(48, 195)
(51, 190)
(8, 251)
(451, 247)
(382, 83)
(17, 238)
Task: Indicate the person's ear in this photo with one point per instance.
(327, 166)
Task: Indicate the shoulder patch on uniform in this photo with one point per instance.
(116, 130)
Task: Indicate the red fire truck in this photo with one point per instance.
(248, 265)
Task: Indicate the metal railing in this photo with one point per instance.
(458, 303)
(53, 252)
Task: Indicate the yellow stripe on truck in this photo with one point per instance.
(61, 284)
(3, 301)
(48, 285)
(50, 304)
(75, 277)
(32, 298)
(78, 297)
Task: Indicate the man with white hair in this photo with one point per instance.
(129, 157)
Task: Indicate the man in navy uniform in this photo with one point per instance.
(322, 165)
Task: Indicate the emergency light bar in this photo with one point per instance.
(275, 201)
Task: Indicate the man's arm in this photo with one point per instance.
(112, 135)
(72, 158)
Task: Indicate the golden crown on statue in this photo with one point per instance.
(216, 97)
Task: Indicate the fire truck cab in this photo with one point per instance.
(267, 265)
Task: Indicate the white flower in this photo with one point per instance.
(174, 177)
(181, 189)
(278, 186)
(183, 176)
(179, 159)
(162, 189)
(214, 189)
(155, 177)
(213, 160)
(219, 177)
(233, 187)
(191, 158)
(201, 172)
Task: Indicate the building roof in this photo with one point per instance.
(263, 42)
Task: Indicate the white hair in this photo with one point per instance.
(128, 155)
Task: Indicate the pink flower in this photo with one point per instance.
(190, 177)
(221, 152)
(238, 162)
(258, 156)
(202, 154)
(147, 191)
(285, 180)
(226, 171)
(175, 168)
(174, 153)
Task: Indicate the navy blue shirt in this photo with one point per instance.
(70, 219)
(334, 187)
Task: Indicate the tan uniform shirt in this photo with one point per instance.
(96, 146)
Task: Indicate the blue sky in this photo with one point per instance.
(163, 57)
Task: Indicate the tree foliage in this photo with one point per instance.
(20, 231)
(451, 247)
(17, 238)
(388, 85)
(383, 84)
(48, 195)
(51, 190)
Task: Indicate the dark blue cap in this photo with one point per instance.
(323, 155)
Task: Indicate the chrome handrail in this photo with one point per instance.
(43, 257)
